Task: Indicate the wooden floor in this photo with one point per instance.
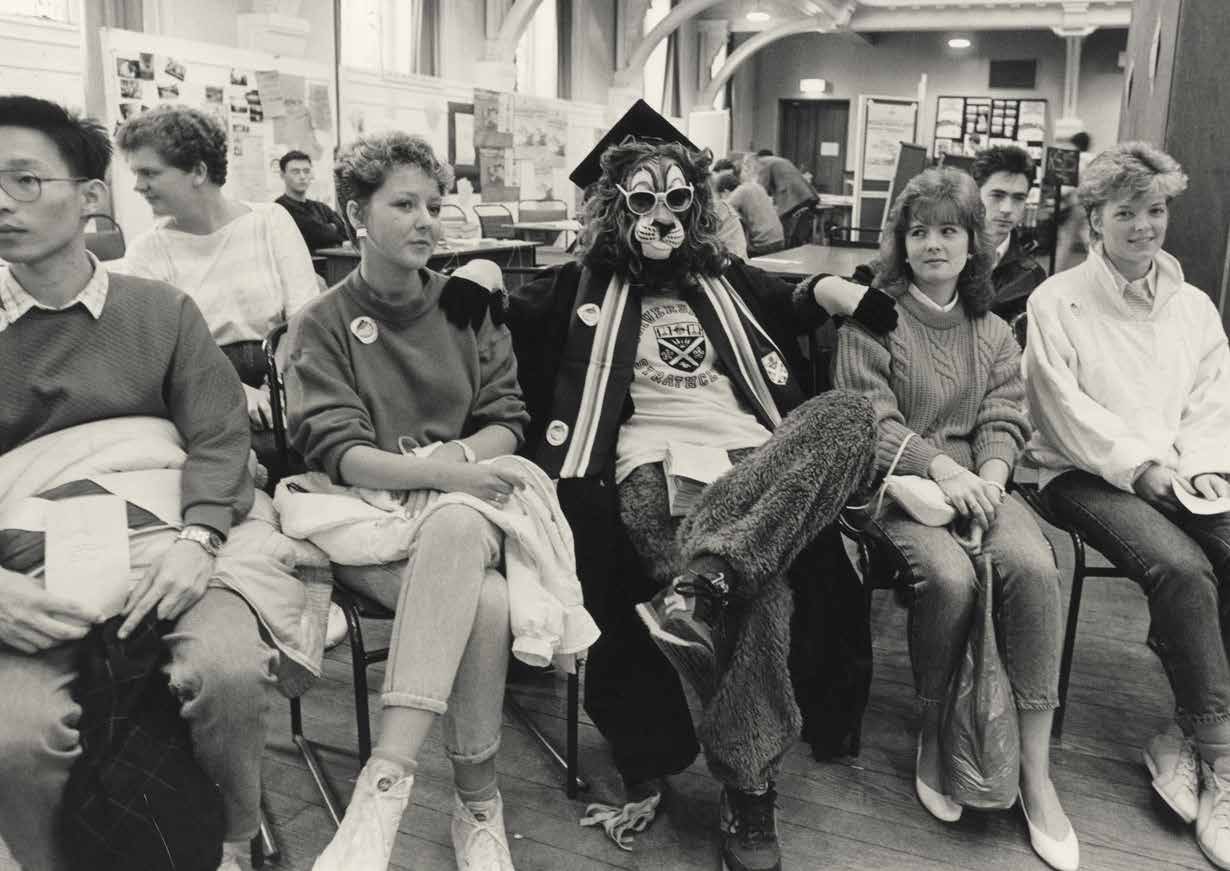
(857, 815)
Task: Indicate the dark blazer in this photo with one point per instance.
(1015, 277)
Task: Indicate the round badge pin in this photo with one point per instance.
(588, 314)
(364, 329)
(557, 433)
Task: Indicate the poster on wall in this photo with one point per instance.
(493, 119)
(963, 125)
(496, 168)
(888, 124)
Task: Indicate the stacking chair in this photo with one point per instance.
(452, 214)
(840, 236)
(356, 607)
(496, 221)
(106, 240)
(541, 210)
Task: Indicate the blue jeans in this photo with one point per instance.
(1182, 562)
(942, 593)
(451, 636)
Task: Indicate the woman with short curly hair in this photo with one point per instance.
(401, 379)
(244, 264)
(947, 391)
(1127, 369)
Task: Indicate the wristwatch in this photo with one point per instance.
(204, 536)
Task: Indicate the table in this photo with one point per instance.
(340, 262)
(563, 225)
(809, 259)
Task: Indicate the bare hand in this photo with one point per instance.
(974, 498)
(484, 481)
(1209, 485)
(173, 583)
(260, 412)
(32, 620)
(1154, 486)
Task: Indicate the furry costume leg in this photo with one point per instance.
(756, 519)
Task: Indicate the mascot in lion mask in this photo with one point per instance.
(654, 352)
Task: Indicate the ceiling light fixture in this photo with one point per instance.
(959, 42)
(758, 15)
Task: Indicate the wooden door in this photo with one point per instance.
(812, 134)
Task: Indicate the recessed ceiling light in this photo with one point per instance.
(758, 15)
(959, 42)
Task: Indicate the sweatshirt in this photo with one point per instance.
(1111, 388)
(394, 377)
(319, 224)
(149, 353)
(952, 380)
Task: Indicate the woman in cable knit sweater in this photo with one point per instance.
(948, 396)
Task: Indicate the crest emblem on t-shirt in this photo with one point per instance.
(681, 345)
(775, 368)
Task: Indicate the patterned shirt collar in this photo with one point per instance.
(1146, 285)
(15, 301)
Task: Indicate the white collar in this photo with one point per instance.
(929, 302)
(1121, 283)
(1001, 249)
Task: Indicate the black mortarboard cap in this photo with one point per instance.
(639, 122)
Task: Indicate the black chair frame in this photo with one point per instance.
(356, 607)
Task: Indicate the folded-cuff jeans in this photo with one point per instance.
(942, 593)
(1182, 562)
(451, 634)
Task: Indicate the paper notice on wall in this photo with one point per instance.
(294, 129)
(496, 168)
(493, 119)
(87, 551)
(540, 131)
(888, 125)
(320, 106)
(829, 149)
(463, 139)
(246, 171)
(269, 84)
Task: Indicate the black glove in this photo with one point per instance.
(876, 311)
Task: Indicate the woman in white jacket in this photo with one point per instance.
(1128, 378)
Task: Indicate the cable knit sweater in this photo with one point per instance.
(953, 380)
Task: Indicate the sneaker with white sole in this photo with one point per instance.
(479, 840)
(364, 841)
(1213, 818)
(688, 621)
(1171, 760)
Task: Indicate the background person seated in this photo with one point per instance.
(947, 391)
(244, 264)
(754, 207)
(1128, 375)
(320, 226)
(1004, 175)
(90, 347)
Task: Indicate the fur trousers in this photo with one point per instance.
(757, 518)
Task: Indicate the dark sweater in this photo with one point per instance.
(423, 379)
(150, 353)
(320, 225)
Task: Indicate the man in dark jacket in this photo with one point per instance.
(1004, 174)
(320, 226)
(656, 346)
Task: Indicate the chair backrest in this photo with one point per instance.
(452, 213)
(277, 404)
(496, 220)
(840, 237)
(542, 210)
(106, 240)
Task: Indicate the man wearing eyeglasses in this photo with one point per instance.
(80, 347)
(320, 226)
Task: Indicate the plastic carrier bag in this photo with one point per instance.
(980, 735)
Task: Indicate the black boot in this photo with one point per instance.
(749, 831)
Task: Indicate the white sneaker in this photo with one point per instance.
(364, 841)
(479, 840)
(1171, 760)
(1213, 820)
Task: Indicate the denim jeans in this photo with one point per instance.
(1182, 562)
(219, 666)
(451, 636)
(943, 591)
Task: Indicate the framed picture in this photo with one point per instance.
(461, 151)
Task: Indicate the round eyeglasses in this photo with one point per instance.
(26, 187)
(644, 202)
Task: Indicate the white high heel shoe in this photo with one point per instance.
(1062, 855)
(937, 804)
